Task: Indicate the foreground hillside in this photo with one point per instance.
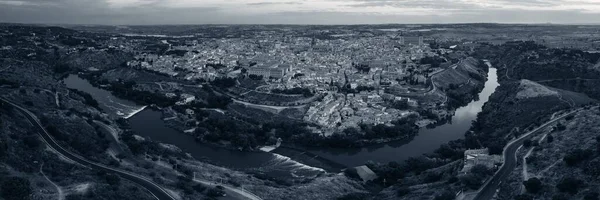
(562, 162)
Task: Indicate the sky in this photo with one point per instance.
(148, 12)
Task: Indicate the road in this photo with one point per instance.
(510, 161)
(156, 190)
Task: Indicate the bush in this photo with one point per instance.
(533, 185)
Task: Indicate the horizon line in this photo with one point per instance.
(305, 24)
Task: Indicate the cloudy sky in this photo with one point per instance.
(116, 12)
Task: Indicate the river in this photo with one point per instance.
(148, 123)
(425, 142)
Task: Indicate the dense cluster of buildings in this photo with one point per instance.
(359, 76)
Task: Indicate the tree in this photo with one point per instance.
(598, 143)
(591, 196)
(523, 197)
(527, 143)
(402, 191)
(3, 148)
(550, 138)
(576, 156)
(16, 188)
(569, 185)
(215, 192)
(560, 196)
(496, 147)
(533, 185)
(112, 179)
(446, 195)
(355, 196)
(471, 181)
(481, 170)
(32, 141)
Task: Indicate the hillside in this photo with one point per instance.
(469, 69)
(565, 161)
(462, 82)
(515, 108)
(567, 69)
(530, 89)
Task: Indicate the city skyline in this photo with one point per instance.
(149, 12)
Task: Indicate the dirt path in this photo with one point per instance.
(59, 190)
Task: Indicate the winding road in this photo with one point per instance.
(488, 190)
(157, 191)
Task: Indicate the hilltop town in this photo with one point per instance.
(288, 93)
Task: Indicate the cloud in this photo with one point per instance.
(297, 11)
(274, 3)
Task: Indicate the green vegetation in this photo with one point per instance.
(224, 82)
(297, 90)
(434, 61)
(15, 188)
(577, 156)
(126, 90)
(533, 185)
(570, 185)
(88, 99)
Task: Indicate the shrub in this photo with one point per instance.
(533, 185)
